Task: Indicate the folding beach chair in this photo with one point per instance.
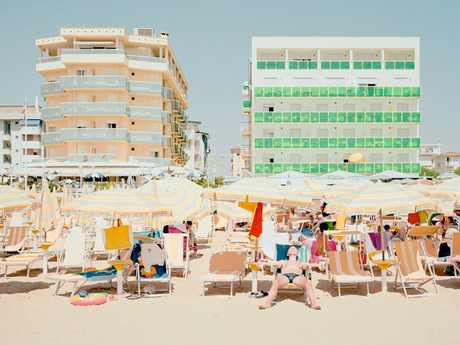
(204, 232)
(74, 249)
(173, 244)
(20, 260)
(225, 267)
(431, 258)
(345, 268)
(304, 256)
(409, 268)
(16, 238)
(455, 252)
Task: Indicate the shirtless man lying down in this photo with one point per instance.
(291, 272)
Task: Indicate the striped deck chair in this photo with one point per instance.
(74, 248)
(174, 246)
(431, 258)
(204, 232)
(409, 268)
(345, 269)
(455, 252)
(16, 237)
(281, 254)
(225, 267)
(20, 260)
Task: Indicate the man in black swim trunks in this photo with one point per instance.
(291, 272)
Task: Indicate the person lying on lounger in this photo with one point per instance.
(291, 272)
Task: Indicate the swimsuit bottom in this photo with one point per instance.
(291, 276)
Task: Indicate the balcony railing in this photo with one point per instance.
(144, 87)
(51, 138)
(51, 113)
(93, 108)
(93, 134)
(51, 88)
(245, 151)
(154, 160)
(91, 157)
(146, 113)
(166, 117)
(167, 93)
(245, 128)
(47, 159)
(146, 58)
(92, 51)
(166, 141)
(144, 138)
(49, 59)
(326, 64)
(93, 82)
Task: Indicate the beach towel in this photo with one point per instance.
(269, 242)
(154, 271)
(152, 255)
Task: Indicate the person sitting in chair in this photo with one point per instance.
(291, 272)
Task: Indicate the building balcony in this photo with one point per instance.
(342, 64)
(246, 106)
(245, 130)
(145, 113)
(6, 151)
(93, 108)
(5, 137)
(245, 151)
(93, 82)
(93, 134)
(153, 160)
(32, 145)
(76, 56)
(49, 59)
(167, 93)
(245, 89)
(166, 117)
(50, 159)
(144, 138)
(143, 87)
(52, 138)
(51, 114)
(31, 130)
(147, 59)
(108, 157)
(51, 88)
(166, 141)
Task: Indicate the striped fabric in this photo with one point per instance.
(410, 263)
(338, 190)
(206, 209)
(34, 191)
(301, 190)
(14, 200)
(369, 200)
(65, 197)
(220, 276)
(16, 238)
(447, 189)
(445, 206)
(55, 202)
(344, 267)
(45, 216)
(316, 185)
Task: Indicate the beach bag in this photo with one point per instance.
(117, 237)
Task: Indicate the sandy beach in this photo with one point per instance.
(30, 313)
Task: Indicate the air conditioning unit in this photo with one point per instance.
(143, 32)
(164, 34)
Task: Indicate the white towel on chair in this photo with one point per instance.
(152, 255)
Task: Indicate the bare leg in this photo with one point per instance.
(281, 280)
(306, 283)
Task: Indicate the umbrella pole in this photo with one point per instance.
(254, 272)
(382, 235)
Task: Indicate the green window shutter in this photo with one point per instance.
(295, 143)
(342, 143)
(286, 117)
(277, 117)
(370, 117)
(351, 143)
(258, 92)
(415, 117)
(323, 91)
(280, 65)
(277, 168)
(295, 117)
(360, 117)
(286, 143)
(314, 168)
(314, 143)
(313, 65)
(397, 142)
(389, 65)
(261, 64)
(378, 143)
(268, 92)
(305, 168)
(360, 143)
(305, 143)
(296, 91)
(344, 65)
(305, 92)
(342, 117)
(396, 117)
(388, 143)
(332, 143)
(268, 143)
(376, 65)
(268, 168)
(388, 117)
(323, 117)
(278, 143)
(332, 117)
(378, 168)
(351, 117)
(325, 65)
(303, 65)
(258, 117)
(305, 117)
(268, 117)
(323, 143)
(370, 169)
(271, 65)
(410, 64)
(314, 91)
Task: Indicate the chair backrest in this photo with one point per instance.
(408, 257)
(75, 248)
(282, 249)
(174, 246)
(98, 241)
(429, 248)
(53, 234)
(423, 230)
(204, 228)
(270, 241)
(344, 263)
(227, 261)
(16, 238)
(268, 227)
(455, 249)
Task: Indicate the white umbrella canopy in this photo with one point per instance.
(447, 176)
(390, 174)
(339, 174)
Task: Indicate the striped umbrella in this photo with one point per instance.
(46, 215)
(55, 203)
(34, 191)
(13, 200)
(232, 212)
(84, 190)
(316, 185)
(446, 207)
(65, 197)
(302, 190)
(447, 189)
(115, 204)
(338, 190)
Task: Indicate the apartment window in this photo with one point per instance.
(81, 72)
(154, 154)
(322, 133)
(111, 124)
(346, 156)
(295, 133)
(376, 132)
(348, 107)
(322, 107)
(367, 81)
(269, 133)
(403, 157)
(402, 106)
(349, 133)
(51, 78)
(376, 106)
(322, 158)
(403, 132)
(269, 107)
(81, 123)
(52, 129)
(376, 157)
(295, 158)
(269, 158)
(295, 107)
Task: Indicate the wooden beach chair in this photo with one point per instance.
(225, 267)
(204, 232)
(409, 268)
(174, 246)
(345, 269)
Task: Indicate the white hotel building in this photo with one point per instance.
(314, 101)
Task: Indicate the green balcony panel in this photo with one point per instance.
(378, 91)
(416, 91)
(335, 64)
(361, 91)
(258, 143)
(415, 117)
(367, 64)
(323, 168)
(351, 167)
(293, 65)
(314, 91)
(258, 117)
(370, 117)
(304, 65)
(271, 65)
(376, 65)
(280, 65)
(397, 167)
(305, 143)
(296, 167)
(296, 91)
(332, 143)
(314, 117)
(370, 91)
(351, 91)
(287, 92)
(397, 117)
(387, 166)
(399, 65)
(406, 142)
(370, 143)
(325, 65)
(360, 143)
(268, 92)
(314, 168)
(295, 117)
(277, 168)
(295, 143)
(344, 64)
(258, 92)
(313, 65)
(389, 65)
(406, 168)
(342, 166)
(415, 168)
(287, 167)
(360, 117)
(397, 92)
(342, 143)
(323, 91)
(323, 117)
(268, 143)
(305, 168)
(305, 117)
(261, 64)
(314, 143)
(388, 117)
(332, 117)
(332, 167)
(378, 168)
(342, 117)
(410, 65)
(286, 117)
(324, 143)
(378, 117)
(361, 168)
(406, 91)
(278, 91)
(259, 168)
(278, 143)
(388, 143)
(397, 142)
(305, 92)
(406, 117)
(246, 104)
(268, 168)
(357, 65)
(351, 143)
(286, 143)
(415, 143)
(351, 117)
(370, 168)
(268, 117)
(378, 142)
(388, 92)
(277, 117)
(342, 91)
(332, 92)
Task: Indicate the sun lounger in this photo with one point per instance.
(174, 246)
(225, 267)
(16, 237)
(344, 269)
(431, 258)
(20, 260)
(204, 232)
(269, 242)
(74, 248)
(409, 268)
(455, 252)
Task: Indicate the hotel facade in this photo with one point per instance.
(312, 102)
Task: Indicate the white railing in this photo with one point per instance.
(48, 59)
(93, 82)
(148, 113)
(92, 51)
(93, 134)
(50, 88)
(51, 113)
(144, 87)
(144, 138)
(93, 108)
(146, 58)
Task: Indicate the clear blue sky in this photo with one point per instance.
(212, 38)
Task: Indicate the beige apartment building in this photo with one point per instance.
(112, 97)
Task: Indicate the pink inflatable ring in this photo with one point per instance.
(92, 299)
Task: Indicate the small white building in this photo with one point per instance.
(426, 154)
(239, 164)
(446, 162)
(197, 147)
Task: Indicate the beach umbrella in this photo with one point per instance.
(390, 174)
(94, 175)
(34, 191)
(194, 174)
(339, 174)
(68, 181)
(45, 216)
(315, 184)
(117, 203)
(232, 212)
(129, 181)
(14, 200)
(423, 182)
(19, 192)
(65, 197)
(447, 189)
(418, 187)
(447, 176)
(55, 202)
(338, 190)
(302, 189)
(446, 207)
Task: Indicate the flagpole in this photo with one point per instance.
(25, 144)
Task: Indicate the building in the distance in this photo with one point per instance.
(446, 162)
(19, 144)
(312, 102)
(239, 164)
(112, 97)
(426, 154)
(197, 147)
